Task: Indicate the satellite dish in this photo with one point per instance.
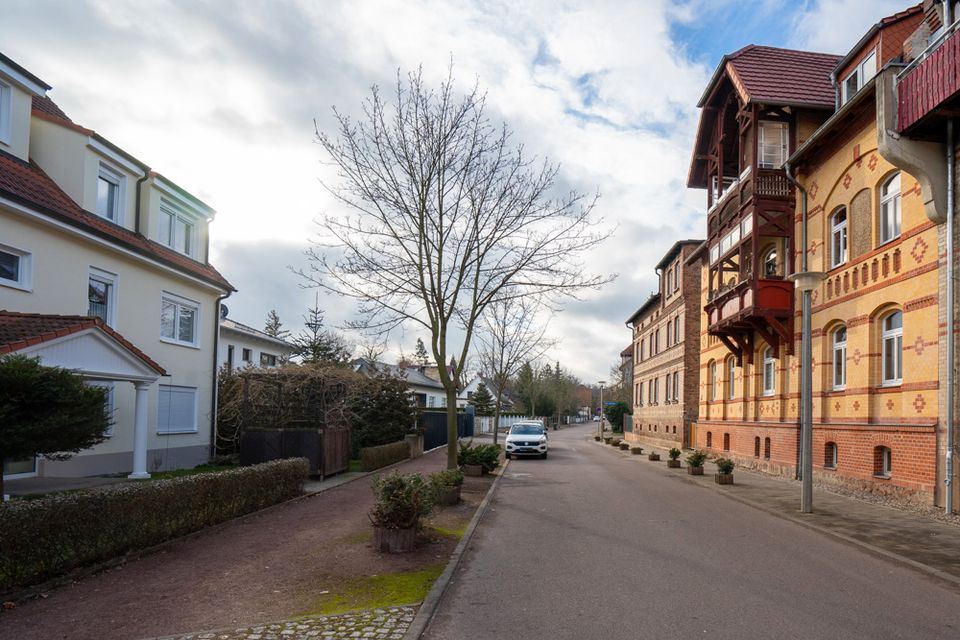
(223, 311)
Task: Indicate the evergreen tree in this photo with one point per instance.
(420, 355)
(315, 345)
(274, 327)
(47, 411)
(482, 400)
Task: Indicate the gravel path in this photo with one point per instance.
(256, 569)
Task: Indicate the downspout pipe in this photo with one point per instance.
(951, 338)
(214, 396)
(804, 281)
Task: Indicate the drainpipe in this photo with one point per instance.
(216, 386)
(951, 352)
(136, 206)
(805, 281)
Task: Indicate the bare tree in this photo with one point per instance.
(444, 216)
(509, 337)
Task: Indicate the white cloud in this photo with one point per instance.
(834, 26)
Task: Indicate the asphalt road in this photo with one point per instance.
(591, 544)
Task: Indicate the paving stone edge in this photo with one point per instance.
(421, 622)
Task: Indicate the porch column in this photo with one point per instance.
(140, 432)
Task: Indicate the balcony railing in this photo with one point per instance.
(930, 80)
(749, 297)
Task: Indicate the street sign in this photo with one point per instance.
(609, 404)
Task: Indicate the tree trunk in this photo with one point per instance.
(496, 420)
(1, 479)
(452, 427)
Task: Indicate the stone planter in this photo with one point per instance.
(624, 446)
(695, 471)
(597, 438)
(636, 450)
(615, 442)
(653, 457)
(723, 478)
(673, 464)
(448, 496)
(607, 440)
(415, 442)
(394, 540)
(474, 470)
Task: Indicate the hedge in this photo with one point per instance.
(373, 458)
(44, 538)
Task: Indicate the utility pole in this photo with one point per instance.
(601, 383)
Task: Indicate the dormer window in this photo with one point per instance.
(5, 106)
(859, 76)
(176, 230)
(110, 194)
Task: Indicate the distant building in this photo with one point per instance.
(243, 346)
(466, 394)
(427, 392)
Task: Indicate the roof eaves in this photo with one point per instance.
(872, 31)
(653, 299)
(23, 77)
(674, 250)
(826, 128)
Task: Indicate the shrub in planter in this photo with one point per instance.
(446, 486)
(653, 456)
(484, 456)
(607, 439)
(373, 458)
(597, 438)
(695, 463)
(624, 446)
(673, 462)
(636, 450)
(615, 442)
(724, 471)
(401, 502)
(44, 538)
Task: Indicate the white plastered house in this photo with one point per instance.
(104, 269)
(243, 346)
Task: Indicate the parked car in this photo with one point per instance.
(527, 439)
(596, 418)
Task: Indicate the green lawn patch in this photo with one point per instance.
(374, 592)
(356, 465)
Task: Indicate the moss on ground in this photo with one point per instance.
(451, 533)
(374, 592)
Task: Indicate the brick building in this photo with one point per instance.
(666, 330)
(875, 349)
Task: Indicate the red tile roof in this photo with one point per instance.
(785, 76)
(21, 330)
(29, 185)
(45, 105)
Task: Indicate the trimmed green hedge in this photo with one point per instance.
(373, 458)
(45, 538)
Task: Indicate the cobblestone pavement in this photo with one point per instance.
(375, 624)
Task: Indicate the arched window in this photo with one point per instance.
(769, 372)
(892, 349)
(882, 462)
(709, 438)
(766, 448)
(890, 209)
(726, 442)
(830, 455)
(838, 237)
(771, 269)
(712, 381)
(840, 358)
(731, 383)
(756, 447)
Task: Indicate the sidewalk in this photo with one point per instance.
(912, 539)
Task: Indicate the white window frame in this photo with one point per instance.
(891, 339)
(6, 105)
(173, 431)
(839, 349)
(676, 386)
(765, 148)
(769, 372)
(890, 210)
(834, 458)
(112, 281)
(24, 280)
(713, 381)
(110, 405)
(666, 386)
(772, 251)
(731, 383)
(265, 355)
(167, 297)
(168, 216)
(863, 73)
(115, 176)
(838, 238)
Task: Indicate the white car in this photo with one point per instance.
(527, 439)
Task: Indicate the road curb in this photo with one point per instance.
(428, 607)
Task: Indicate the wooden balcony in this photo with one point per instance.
(736, 305)
(929, 83)
(759, 189)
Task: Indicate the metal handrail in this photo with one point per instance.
(933, 46)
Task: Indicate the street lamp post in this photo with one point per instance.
(806, 282)
(601, 383)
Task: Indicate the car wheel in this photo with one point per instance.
(507, 456)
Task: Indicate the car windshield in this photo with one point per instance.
(527, 430)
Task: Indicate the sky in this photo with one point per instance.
(223, 98)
